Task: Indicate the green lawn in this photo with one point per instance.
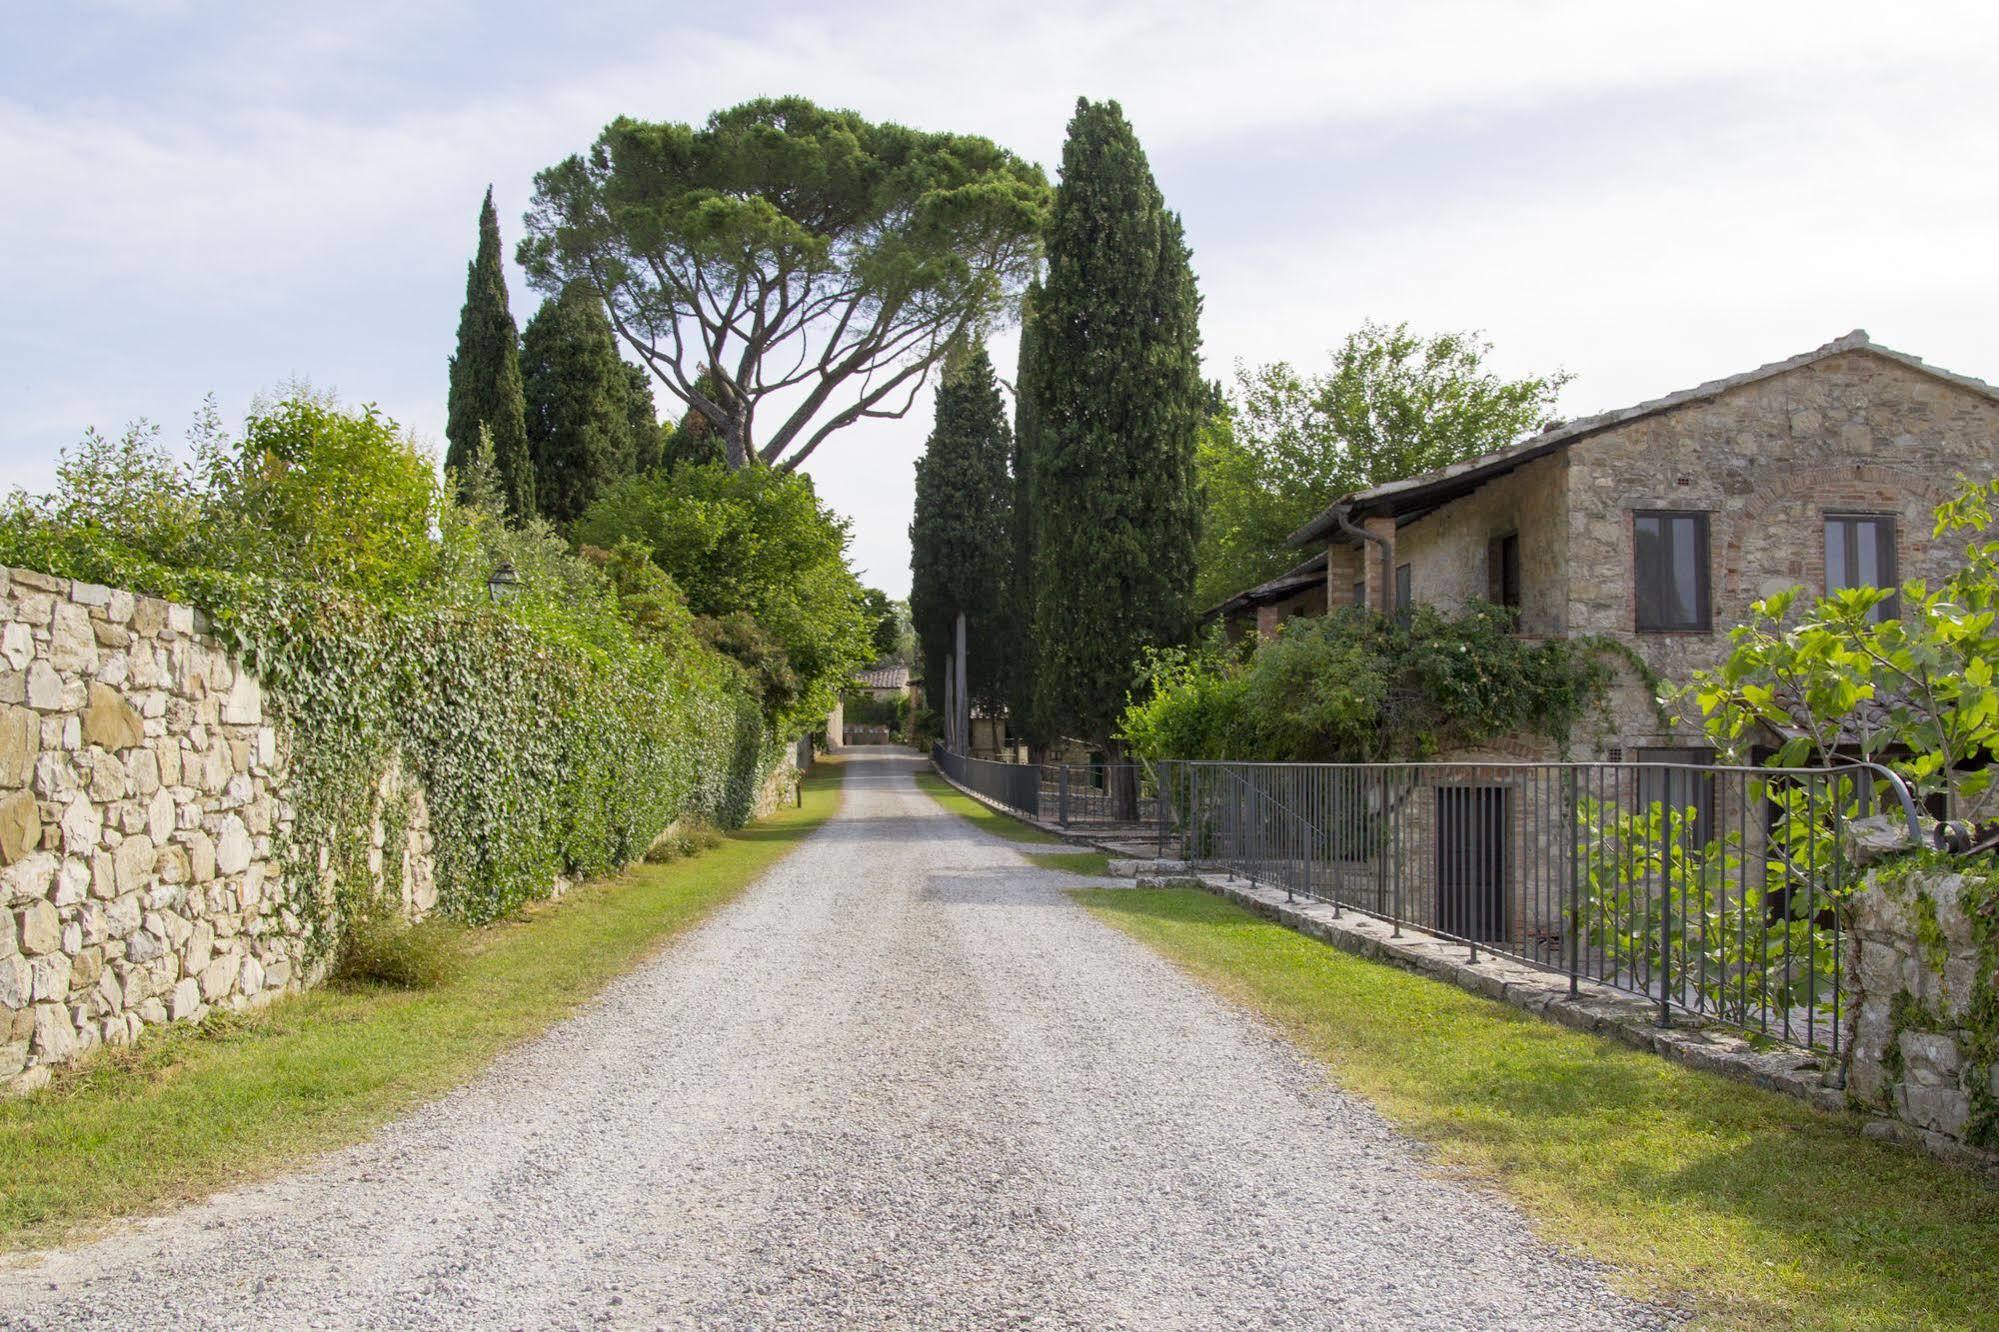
(191, 1110)
(1746, 1207)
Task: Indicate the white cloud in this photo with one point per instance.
(299, 197)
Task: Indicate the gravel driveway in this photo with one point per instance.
(902, 1082)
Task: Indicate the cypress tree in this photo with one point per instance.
(958, 533)
(1119, 396)
(1020, 573)
(486, 375)
(642, 421)
(579, 397)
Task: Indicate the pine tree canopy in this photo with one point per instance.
(580, 418)
(813, 261)
(959, 535)
(486, 375)
(1118, 400)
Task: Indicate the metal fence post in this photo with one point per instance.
(1062, 794)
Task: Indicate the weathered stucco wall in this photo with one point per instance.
(1922, 1005)
(140, 806)
(1767, 461)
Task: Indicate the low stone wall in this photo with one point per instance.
(1922, 974)
(138, 808)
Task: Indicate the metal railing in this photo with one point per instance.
(1717, 891)
(1014, 786)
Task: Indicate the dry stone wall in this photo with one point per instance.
(141, 803)
(1922, 1003)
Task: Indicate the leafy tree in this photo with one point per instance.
(807, 258)
(1119, 397)
(1392, 405)
(328, 497)
(885, 616)
(763, 564)
(958, 533)
(580, 420)
(1904, 677)
(486, 374)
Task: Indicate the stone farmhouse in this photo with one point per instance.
(1657, 525)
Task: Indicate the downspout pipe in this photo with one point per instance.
(1341, 516)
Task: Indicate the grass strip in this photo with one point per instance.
(1088, 863)
(189, 1110)
(1746, 1207)
(983, 815)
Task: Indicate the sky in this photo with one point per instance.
(224, 197)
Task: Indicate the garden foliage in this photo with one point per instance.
(1357, 687)
(555, 735)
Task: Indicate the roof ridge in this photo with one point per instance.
(1550, 438)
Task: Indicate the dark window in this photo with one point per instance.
(1679, 788)
(1860, 552)
(1404, 599)
(1670, 568)
(1360, 592)
(1502, 571)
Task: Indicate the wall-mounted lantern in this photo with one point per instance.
(503, 583)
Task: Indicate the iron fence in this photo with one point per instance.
(1718, 891)
(1013, 786)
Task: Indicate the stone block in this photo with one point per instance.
(218, 978)
(132, 863)
(144, 945)
(45, 692)
(17, 982)
(17, 645)
(38, 927)
(161, 815)
(142, 766)
(104, 776)
(20, 825)
(186, 1002)
(72, 882)
(20, 744)
(149, 617)
(72, 642)
(51, 976)
(233, 848)
(109, 721)
(118, 607)
(55, 1034)
(245, 704)
(82, 827)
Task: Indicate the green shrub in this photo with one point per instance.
(1359, 687)
(385, 949)
(690, 837)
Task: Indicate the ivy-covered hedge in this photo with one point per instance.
(535, 759)
(556, 735)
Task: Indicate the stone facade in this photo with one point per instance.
(1915, 974)
(1767, 457)
(141, 799)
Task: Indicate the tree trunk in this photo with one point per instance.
(1122, 780)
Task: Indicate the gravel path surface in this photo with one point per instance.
(902, 1082)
